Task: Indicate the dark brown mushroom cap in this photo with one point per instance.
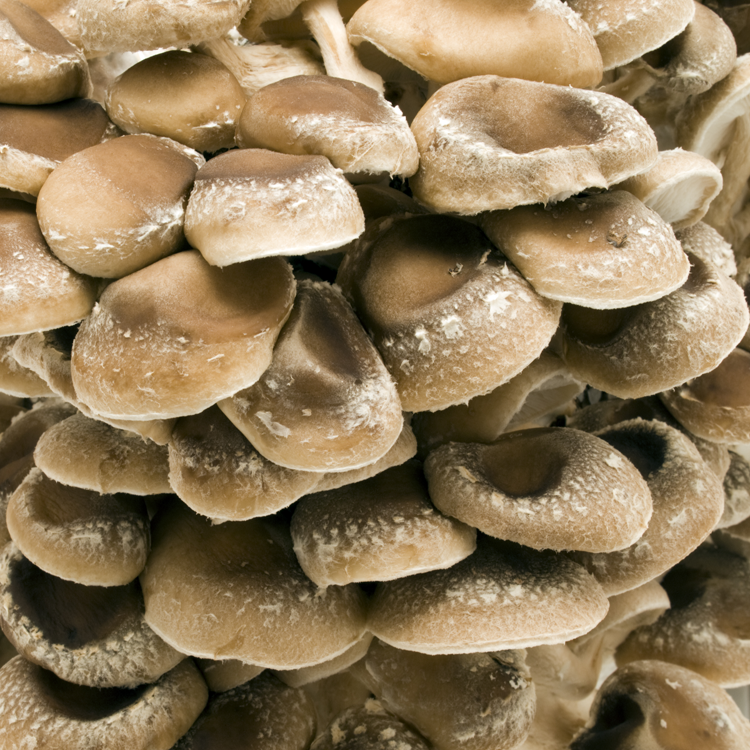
(37, 64)
(471, 701)
(39, 292)
(652, 704)
(688, 500)
(489, 143)
(450, 316)
(61, 716)
(264, 714)
(501, 597)
(546, 488)
(236, 591)
(177, 336)
(89, 635)
(79, 535)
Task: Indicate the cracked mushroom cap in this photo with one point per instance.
(488, 143)
(61, 716)
(88, 635)
(546, 488)
(175, 337)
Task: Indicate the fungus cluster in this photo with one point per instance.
(373, 376)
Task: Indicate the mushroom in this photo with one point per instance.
(704, 241)
(226, 674)
(16, 379)
(736, 492)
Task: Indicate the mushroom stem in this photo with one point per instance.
(633, 84)
(323, 19)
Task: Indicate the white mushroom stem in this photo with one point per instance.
(636, 82)
(326, 25)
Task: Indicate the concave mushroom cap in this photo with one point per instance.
(102, 217)
(450, 316)
(79, 535)
(88, 635)
(39, 292)
(175, 337)
(445, 41)
(679, 187)
(688, 500)
(326, 401)
(350, 123)
(503, 596)
(641, 350)
(252, 203)
(537, 394)
(601, 251)
(189, 97)
(547, 488)
(37, 138)
(264, 714)
(471, 701)
(652, 704)
(368, 727)
(704, 241)
(37, 64)
(16, 379)
(40, 707)
(111, 26)
(488, 143)
(706, 627)
(736, 492)
(716, 405)
(236, 591)
(377, 530)
(83, 452)
(224, 675)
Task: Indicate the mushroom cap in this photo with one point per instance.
(236, 591)
(704, 241)
(189, 97)
(252, 203)
(88, 635)
(350, 123)
(61, 716)
(546, 488)
(736, 492)
(224, 675)
(17, 379)
(602, 251)
(488, 143)
(450, 317)
(175, 337)
(446, 41)
(503, 596)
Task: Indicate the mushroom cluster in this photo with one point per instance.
(364, 388)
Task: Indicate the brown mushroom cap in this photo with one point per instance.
(546, 488)
(736, 492)
(177, 336)
(488, 143)
(224, 675)
(704, 241)
(15, 378)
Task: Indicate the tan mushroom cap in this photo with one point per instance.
(83, 452)
(601, 251)
(377, 530)
(36, 139)
(350, 123)
(175, 337)
(109, 26)
(191, 98)
(236, 591)
(62, 716)
(87, 635)
(10, 408)
(736, 492)
(101, 217)
(264, 714)
(37, 64)
(488, 143)
(38, 292)
(450, 316)
(503, 596)
(224, 675)
(626, 29)
(706, 627)
(61, 14)
(471, 701)
(688, 500)
(547, 488)
(445, 41)
(326, 401)
(704, 241)
(15, 378)
(652, 704)
(79, 535)
(641, 350)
